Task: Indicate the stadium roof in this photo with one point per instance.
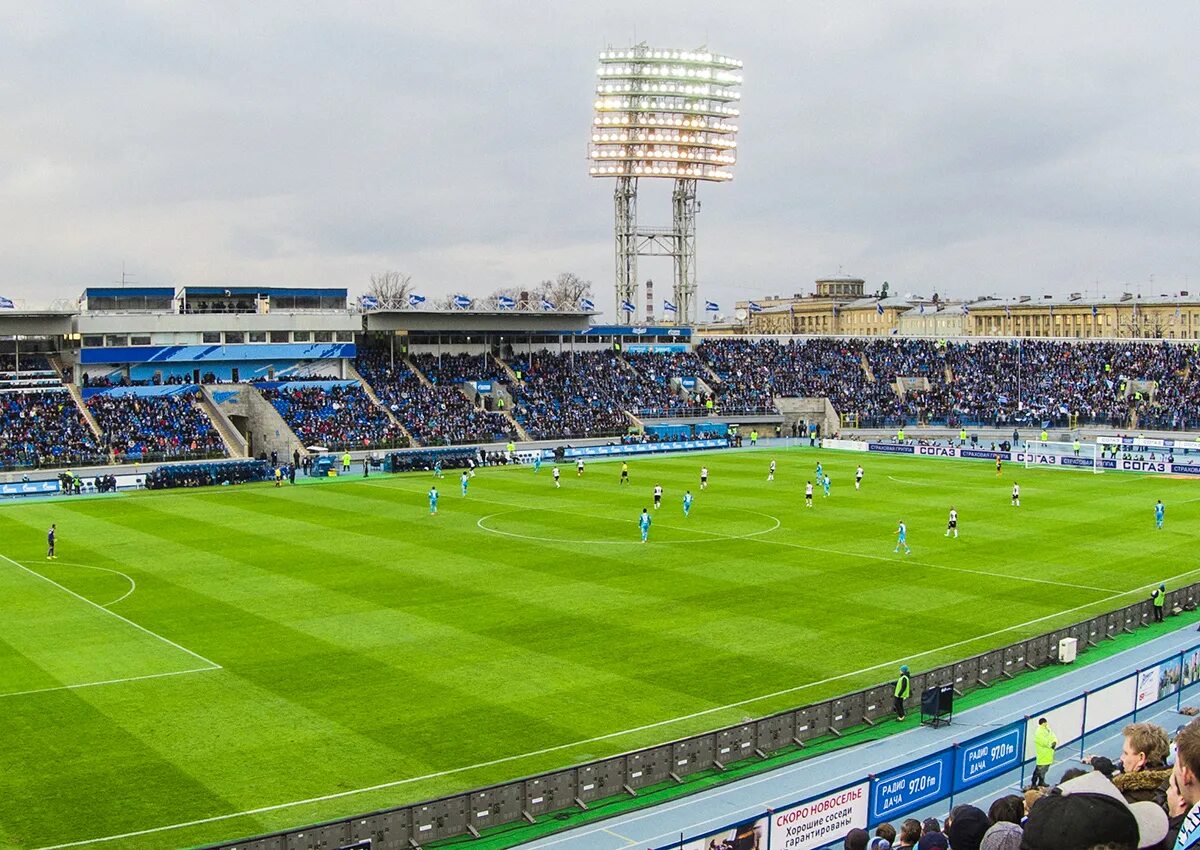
(36, 322)
(476, 321)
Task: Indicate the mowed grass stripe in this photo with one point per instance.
(423, 644)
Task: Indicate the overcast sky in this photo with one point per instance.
(965, 148)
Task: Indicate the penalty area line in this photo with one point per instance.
(108, 682)
(383, 786)
(214, 665)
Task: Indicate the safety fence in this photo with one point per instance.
(813, 821)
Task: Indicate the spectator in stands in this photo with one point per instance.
(1177, 809)
(856, 839)
(965, 827)
(168, 426)
(1144, 772)
(933, 841)
(1002, 835)
(1090, 811)
(887, 832)
(1187, 778)
(1010, 808)
(337, 417)
(909, 835)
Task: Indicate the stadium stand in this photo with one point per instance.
(336, 417)
(582, 394)
(155, 427)
(44, 428)
(438, 414)
(994, 383)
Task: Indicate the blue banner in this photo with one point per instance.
(659, 348)
(30, 488)
(891, 448)
(644, 448)
(201, 353)
(988, 755)
(985, 455)
(483, 386)
(635, 330)
(688, 383)
(908, 788)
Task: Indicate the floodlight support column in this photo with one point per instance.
(684, 206)
(625, 208)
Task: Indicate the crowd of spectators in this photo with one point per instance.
(1138, 800)
(994, 383)
(154, 427)
(578, 394)
(340, 417)
(437, 415)
(44, 429)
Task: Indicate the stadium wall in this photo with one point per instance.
(621, 776)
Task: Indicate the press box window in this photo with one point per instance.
(301, 336)
(279, 336)
(211, 337)
(323, 336)
(139, 340)
(234, 337)
(258, 336)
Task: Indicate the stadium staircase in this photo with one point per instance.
(84, 411)
(235, 443)
(420, 375)
(866, 367)
(949, 373)
(512, 376)
(354, 374)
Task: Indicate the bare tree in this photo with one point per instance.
(391, 289)
(565, 291)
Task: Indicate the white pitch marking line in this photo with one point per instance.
(713, 537)
(752, 536)
(126, 595)
(108, 682)
(559, 747)
(913, 483)
(99, 607)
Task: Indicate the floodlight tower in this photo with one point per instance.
(663, 114)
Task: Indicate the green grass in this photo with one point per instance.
(362, 642)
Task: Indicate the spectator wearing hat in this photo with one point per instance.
(886, 831)
(933, 841)
(1090, 811)
(856, 839)
(1002, 835)
(879, 843)
(965, 827)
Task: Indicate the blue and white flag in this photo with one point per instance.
(711, 307)
(755, 308)
(6, 303)
(547, 304)
(462, 302)
(920, 308)
(668, 307)
(1051, 309)
(505, 302)
(368, 302)
(415, 300)
(627, 307)
(1094, 311)
(966, 309)
(879, 308)
(1007, 310)
(586, 305)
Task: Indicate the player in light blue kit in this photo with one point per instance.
(644, 524)
(437, 469)
(820, 472)
(464, 481)
(433, 496)
(1160, 513)
(902, 539)
(537, 462)
(825, 484)
(687, 503)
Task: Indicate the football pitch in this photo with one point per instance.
(208, 664)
